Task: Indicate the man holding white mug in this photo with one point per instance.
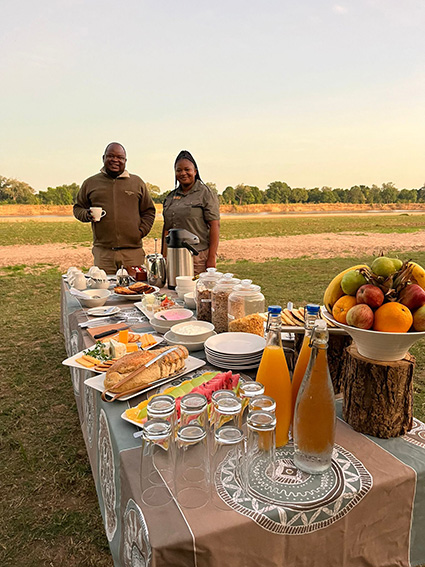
(120, 209)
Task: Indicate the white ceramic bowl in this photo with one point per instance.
(186, 285)
(377, 345)
(185, 281)
(203, 331)
(95, 297)
(189, 299)
(191, 346)
(180, 294)
(169, 317)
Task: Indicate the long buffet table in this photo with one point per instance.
(368, 510)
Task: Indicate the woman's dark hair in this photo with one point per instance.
(184, 154)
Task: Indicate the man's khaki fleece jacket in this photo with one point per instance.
(130, 211)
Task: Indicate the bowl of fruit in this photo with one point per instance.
(381, 306)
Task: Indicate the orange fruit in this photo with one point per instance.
(393, 318)
(132, 413)
(341, 308)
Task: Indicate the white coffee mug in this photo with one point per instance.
(79, 282)
(97, 213)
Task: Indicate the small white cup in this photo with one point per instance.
(79, 282)
(97, 213)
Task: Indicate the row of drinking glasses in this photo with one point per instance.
(186, 460)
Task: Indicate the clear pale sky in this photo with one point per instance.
(309, 92)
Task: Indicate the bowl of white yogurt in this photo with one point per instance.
(194, 331)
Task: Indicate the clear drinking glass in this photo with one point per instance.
(215, 397)
(158, 462)
(260, 455)
(262, 403)
(192, 467)
(227, 412)
(194, 409)
(227, 460)
(163, 407)
(249, 390)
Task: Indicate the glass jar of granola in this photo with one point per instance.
(219, 302)
(203, 290)
(245, 299)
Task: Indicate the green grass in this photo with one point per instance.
(39, 232)
(50, 514)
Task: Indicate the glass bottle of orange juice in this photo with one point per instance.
(315, 417)
(273, 373)
(311, 314)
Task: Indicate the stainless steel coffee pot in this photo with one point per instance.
(180, 244)
(156, 268)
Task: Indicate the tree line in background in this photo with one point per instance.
(13, 191)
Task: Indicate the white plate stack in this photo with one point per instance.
(235, 351)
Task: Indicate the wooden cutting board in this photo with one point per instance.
(97, 330)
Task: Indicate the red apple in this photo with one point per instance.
(419, 319)
(371, 295)
(412, 296)
(360, 316)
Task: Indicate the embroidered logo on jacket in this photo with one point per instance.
(129, 192)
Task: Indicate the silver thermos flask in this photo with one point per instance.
(156, 268)
(180, 244)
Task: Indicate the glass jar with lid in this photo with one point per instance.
(204, 286)
(245, 299)
(219, 302)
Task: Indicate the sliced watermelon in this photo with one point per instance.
(176, 391)
(206, 384)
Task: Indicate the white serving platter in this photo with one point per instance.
(137, 296)
(72, 360)
(97, 382)
(146, 312)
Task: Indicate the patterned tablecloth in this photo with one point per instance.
(367, 510)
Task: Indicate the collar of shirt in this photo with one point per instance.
(124, 174)
(196, 187)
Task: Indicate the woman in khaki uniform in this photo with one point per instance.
(193, 206)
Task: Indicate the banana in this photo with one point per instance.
(418, 274)
(334, 292)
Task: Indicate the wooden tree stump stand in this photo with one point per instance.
(336, 356)
(378, 396)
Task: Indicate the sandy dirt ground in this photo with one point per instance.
(326, 245)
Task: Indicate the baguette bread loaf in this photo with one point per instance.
(166, 366)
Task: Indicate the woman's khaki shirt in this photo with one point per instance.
(192, 211)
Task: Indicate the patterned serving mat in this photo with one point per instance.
(297, 502)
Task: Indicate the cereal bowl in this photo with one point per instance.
(169, 317)
(194, 331)
(95, 297)
(189, 299)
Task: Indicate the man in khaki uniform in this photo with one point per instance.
(193, 206)
(130, 212)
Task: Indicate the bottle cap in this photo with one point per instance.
(313, 309)
(275, 309)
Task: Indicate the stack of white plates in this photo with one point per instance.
(235, 351)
